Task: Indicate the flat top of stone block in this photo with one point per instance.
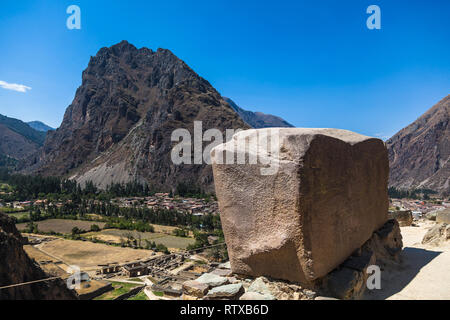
(297, 140)
(283, 134)
(344, 135)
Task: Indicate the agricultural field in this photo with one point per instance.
(88, 255)
(63, 226)
(116, 236)
(10, 210)
(14, 212)
(167, 229)
(119, 289)
(20, 215)
(91, 286)
(140, 296)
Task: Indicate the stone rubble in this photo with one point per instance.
(347, 281)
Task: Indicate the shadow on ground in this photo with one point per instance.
(393, 280)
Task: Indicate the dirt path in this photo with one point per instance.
(425, 272)
(152, 296)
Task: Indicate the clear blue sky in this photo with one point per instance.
(314, 63)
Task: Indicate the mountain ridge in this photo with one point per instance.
(419, 154)
(258, 119)
(18, 139)
(39, 126)
(118, 127)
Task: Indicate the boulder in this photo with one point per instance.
(431, 215)
(443, 216)
(229, 291)
(437, 234)
(260, 286)
(344, 283)
(256, 296)
(211, 280)
(221, 272)
(386, 243)
(188, 297)
(225, 265)
(404, 217)
(288, 291)
(349, 280)
(312, 199)
(195, 288)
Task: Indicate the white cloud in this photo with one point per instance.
(14, 86)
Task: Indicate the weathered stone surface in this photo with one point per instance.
(404, 217)
(17, 267)
(256, 296)
(233, 280)
(222, 272)
(348, 281)
(360, 263)
(259, 286)
(386, 243)
(437, 234)
(225, 265)
(211, 280)
(326, 199)
(229, 291)
(443, 216)
(188, 297)
(195, 288)
(280, 290)
(431, 215)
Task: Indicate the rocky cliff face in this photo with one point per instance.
(119, 125)
(17, 267)
(419, 154)
(259, 119)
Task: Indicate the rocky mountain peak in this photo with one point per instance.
(119, 124)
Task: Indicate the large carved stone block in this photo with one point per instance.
(326, 197)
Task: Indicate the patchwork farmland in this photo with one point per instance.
(63, 226)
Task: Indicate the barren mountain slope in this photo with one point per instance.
(419, 154)
(119, 125)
